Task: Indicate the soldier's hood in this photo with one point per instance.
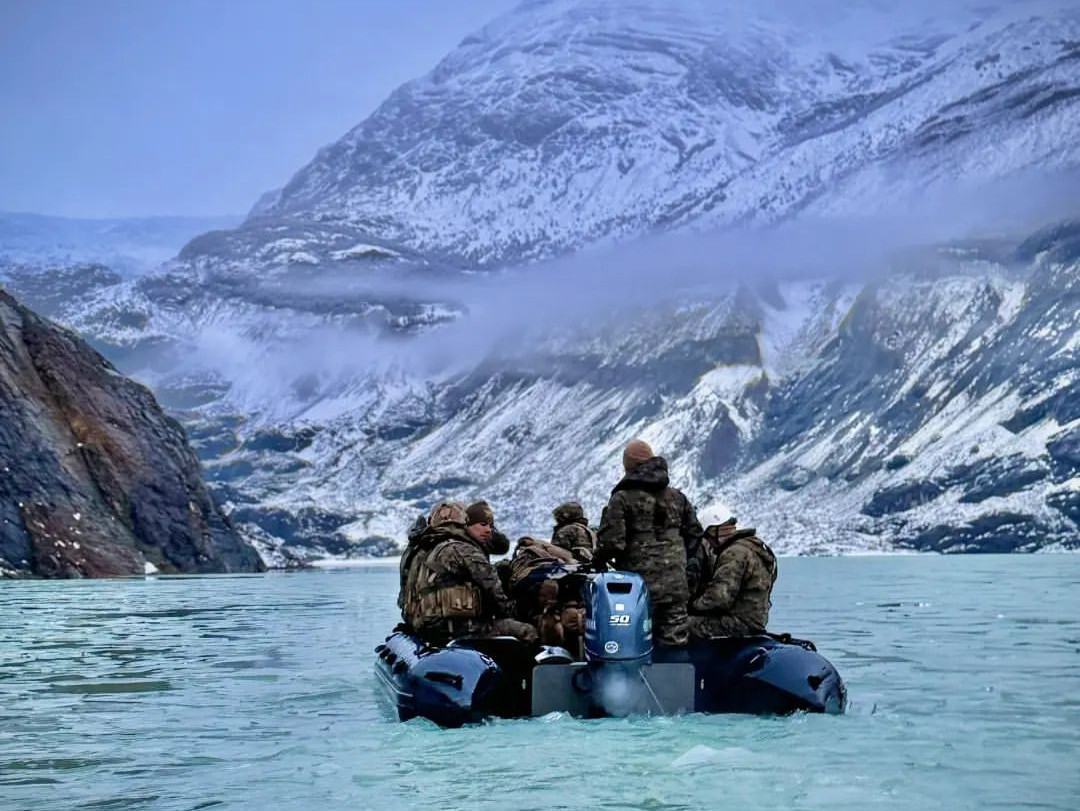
(651, 475)
(432, 536)
(499, 544)
(583, 521)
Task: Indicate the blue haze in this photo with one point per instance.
(120, 108)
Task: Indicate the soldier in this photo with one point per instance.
(416, 532)
(651, 528)
(732, 581)
(481, 526)
(538, 577)
(451, 590)
(572, 531)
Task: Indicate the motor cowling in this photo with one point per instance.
(618, 619)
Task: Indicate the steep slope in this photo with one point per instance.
(96, 480)
(943, 415)
(933, 410)
(564, 123)
(340, 361)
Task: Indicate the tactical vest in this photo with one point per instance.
(434, 595)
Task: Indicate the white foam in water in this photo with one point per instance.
(701, 754)
(696, 756)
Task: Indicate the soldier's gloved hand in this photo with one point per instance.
(573, 619)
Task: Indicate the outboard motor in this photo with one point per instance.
(618, 620)
(617, 676)
(619, 649)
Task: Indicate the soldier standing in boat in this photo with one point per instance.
(651, 528)
(451, 590)
(731, 580)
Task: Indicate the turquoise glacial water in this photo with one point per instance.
(257, 692)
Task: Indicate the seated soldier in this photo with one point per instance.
(480, 525)
(451, 590)
(572, 531)
(731, 580)
(545, 596)
(416, 532)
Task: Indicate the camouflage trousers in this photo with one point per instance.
(670, 624)
(710, 626)
(669, 618)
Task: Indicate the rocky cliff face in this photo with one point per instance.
(95, 479)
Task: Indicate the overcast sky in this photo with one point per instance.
(140, 107)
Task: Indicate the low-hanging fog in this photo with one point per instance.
(507, 316)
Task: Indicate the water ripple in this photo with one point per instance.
(176, 694)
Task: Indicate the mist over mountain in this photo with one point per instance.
(825, 260)
(127, 245)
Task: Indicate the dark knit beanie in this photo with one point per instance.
(480, 513)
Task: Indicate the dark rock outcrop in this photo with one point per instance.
(95, 480)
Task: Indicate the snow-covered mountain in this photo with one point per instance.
(570, 121)
(349, 354)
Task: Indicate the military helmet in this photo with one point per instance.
(714, 515)
(447, 512)
(570, 511)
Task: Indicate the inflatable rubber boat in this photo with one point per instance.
(622, 674)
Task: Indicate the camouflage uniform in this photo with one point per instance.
(650, 528)
(737, 573)
(572, 531)
(452, 591)
(416, 534)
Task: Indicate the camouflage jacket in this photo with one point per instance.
(737, 573)
(416, 536)
(650, 528)
(446, 564)
(576, 537)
